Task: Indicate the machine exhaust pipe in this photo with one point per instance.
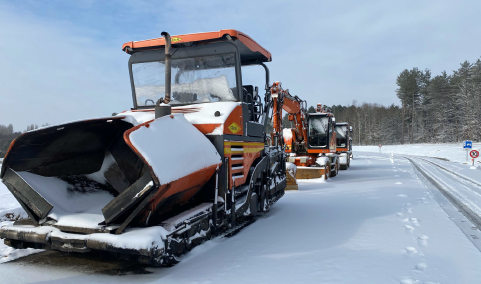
(162, 107)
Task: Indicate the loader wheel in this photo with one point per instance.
(343, 167)
(327, 171)
(335, 171)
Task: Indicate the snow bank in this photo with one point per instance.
(10, 210)
(174, 148)
(450, 151)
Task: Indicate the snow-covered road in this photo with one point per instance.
(374, 223)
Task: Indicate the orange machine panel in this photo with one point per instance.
(234, 124)
(241, 156)
(158, 42)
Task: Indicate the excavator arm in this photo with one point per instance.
(297, 110)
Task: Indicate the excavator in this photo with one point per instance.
(189, 161)
(343, 144)
(311, 140)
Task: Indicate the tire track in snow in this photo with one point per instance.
(468, 209)
(463, 177)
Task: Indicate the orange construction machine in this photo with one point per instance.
(311, 140)
(343, 144)
(190, 160)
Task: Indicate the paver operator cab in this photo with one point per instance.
(191, 159)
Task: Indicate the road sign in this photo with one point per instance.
(380, 145)
(468, 144)
(474, 154)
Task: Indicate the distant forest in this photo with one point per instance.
(440, 109)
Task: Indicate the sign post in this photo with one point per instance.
(474, 154)
(380, 146)
(467, 145)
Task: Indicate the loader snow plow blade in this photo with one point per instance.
(311, 172)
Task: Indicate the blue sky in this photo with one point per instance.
(62, 60)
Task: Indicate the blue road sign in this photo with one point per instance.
(468, 144)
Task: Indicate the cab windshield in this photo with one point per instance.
(318, 131)
(201, 79)
(341, 135)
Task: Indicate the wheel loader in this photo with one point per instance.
(190, 160)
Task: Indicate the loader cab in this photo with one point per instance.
(320, 132)
(342, 135)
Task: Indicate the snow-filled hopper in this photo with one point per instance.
(190, 160)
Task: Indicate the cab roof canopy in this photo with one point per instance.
(250, 51)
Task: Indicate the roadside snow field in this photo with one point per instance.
(377, 222)
(451, 151)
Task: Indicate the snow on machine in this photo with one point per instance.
(189, 161)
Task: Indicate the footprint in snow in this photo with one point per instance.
(399, 214)
(421, 266)
(402, 195)
(398, 182)
(414, 221)
(408, 281)
(423, 240)
(422, 200)
(409, 228)
(408, 210)
(410, 250)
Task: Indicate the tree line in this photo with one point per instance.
(445, 108)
